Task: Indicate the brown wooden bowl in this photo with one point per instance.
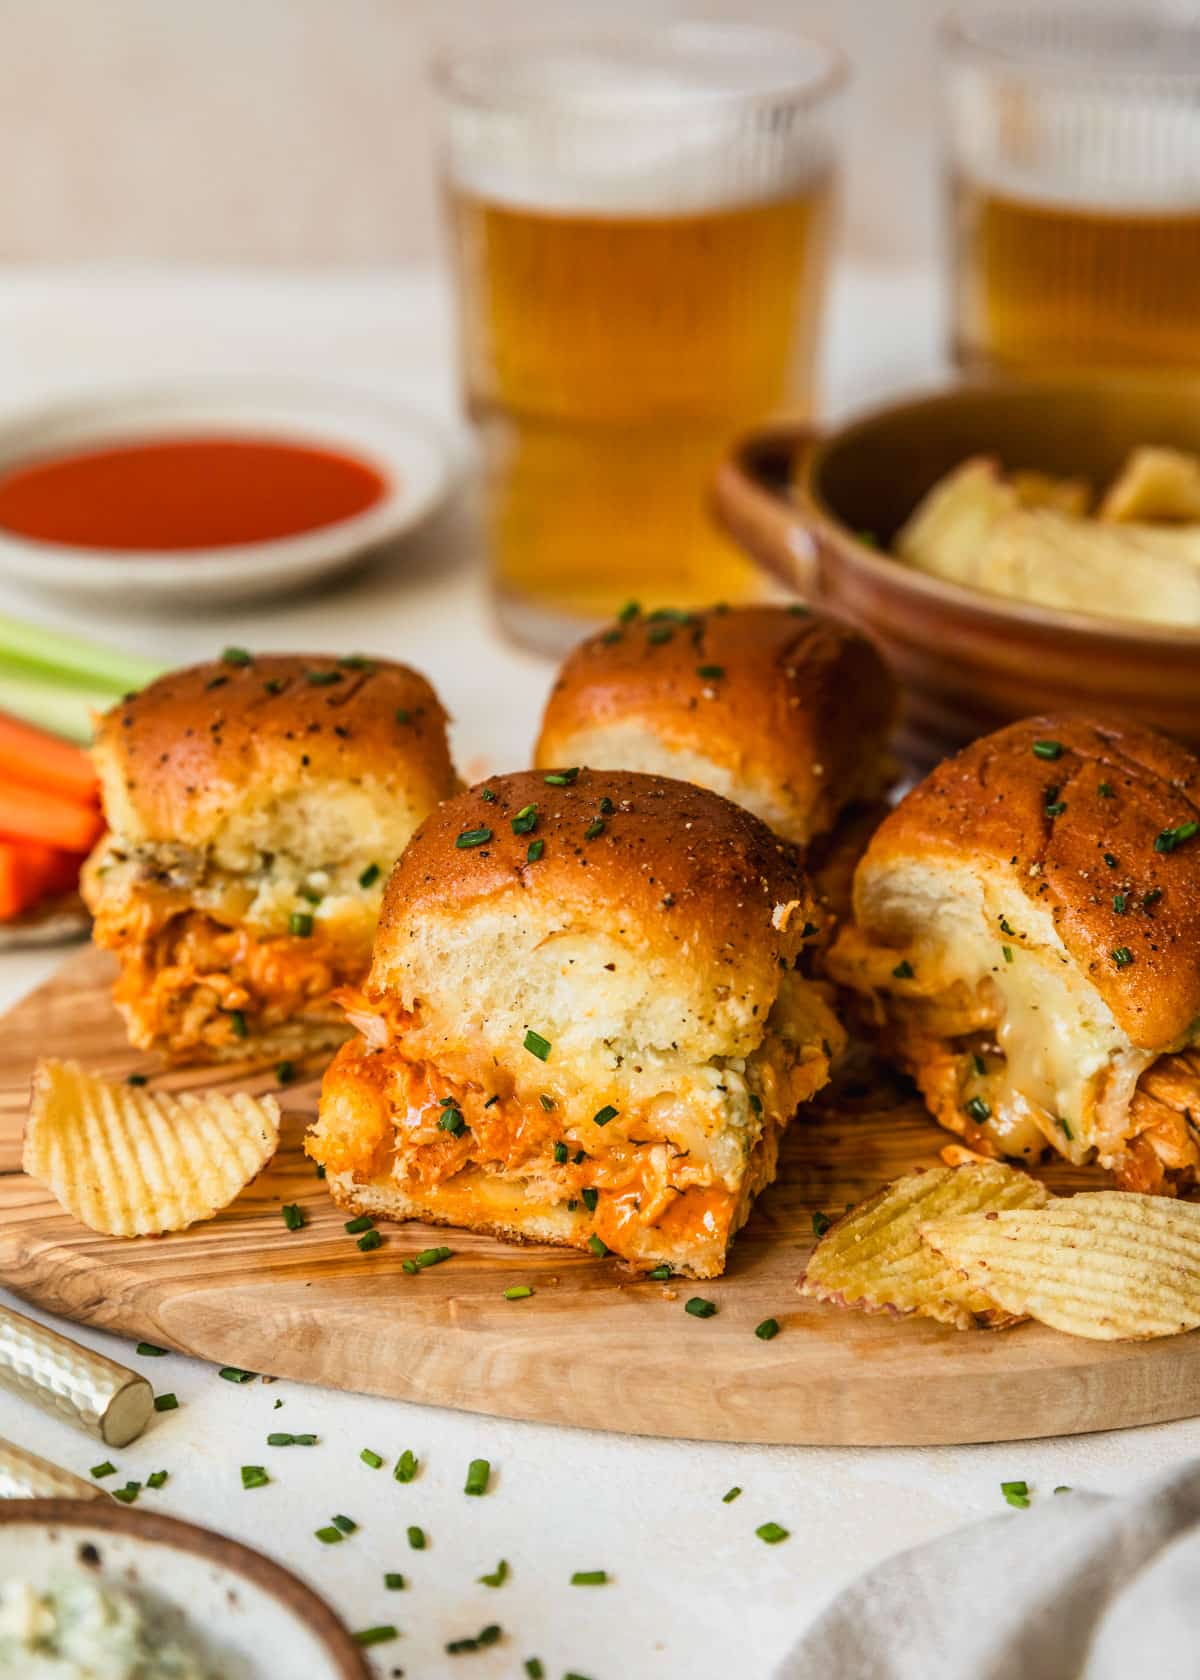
(799, 502)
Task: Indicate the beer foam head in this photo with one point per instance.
(678, 119)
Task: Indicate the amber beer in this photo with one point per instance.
(1040, 284)
(640, 249)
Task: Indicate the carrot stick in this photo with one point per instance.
(29, 872)
(31, 756)
(30, 814)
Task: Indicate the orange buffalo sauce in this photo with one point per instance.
(185, 493)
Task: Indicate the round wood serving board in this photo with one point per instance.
(591, 1347)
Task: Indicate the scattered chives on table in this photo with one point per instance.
(406, 1466)
(478, 1473)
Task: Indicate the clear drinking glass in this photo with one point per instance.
(640, 228)
(1073, 151)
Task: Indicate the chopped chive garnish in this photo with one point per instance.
(410, 1266)
(630, 610)
(322, 679)
(1110, 860)
(1059, 1121)
(363, 1222)
(534, 1668)
(1007, 953)
(562, 778)
(659, 634)
(273, 685)
(254, 1476)
(497, 1577)
(156, 1479)
(560, 1153)
(149, 1350)
(1172, 837)
(978, 1110)
(903, 970)
(416, 1538)
(432, 1257)
(236, 656)
(105, 1469)
(216, 682)
(606, 806)
(281, 1440)
(356, 662)
(590, 1578)
(1056, 807)
(1016, 1493)
(487, 795)
(525, 820)
(329, 1536)
(767, 1330)
(237, 1023)
(393, 1581)
(699, 1307)
(756, 1102)
(1105, 791)
(1047, 749)
(546, 1102)
(370, 875)
(1122, 956)
(536, 848)
(375, 1635)
(660, 1274)
(598, 1246)
(728, 1498)
(452, 1121)
(370, 1240)
(820, 1224)
(128, 1493)
(537, 1045)
(473, 837)
(710, 673)
(979, 1064)
(406, 1466)
(311, 895)
(403, 715)
(1120, 903)
(590, 1199)
(1152, 897)
(607, 1113)
(371, 1459)
(1063, 1487)
(136, 1079)
(771, 1533)
(300, 924)
(293, 1216)
(285, 1072)
(518, 1292)
(301, 1440)
(346, 1524)
(231, 1373)
(594, 829)
(486, 1636)
(1006, 928)
(165, 1403)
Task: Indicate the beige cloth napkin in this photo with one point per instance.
(1077, 1587)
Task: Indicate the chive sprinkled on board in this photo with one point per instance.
(127, 1494)
(370, 1240)
(497, 1577)
(406, 1466)
(149, 1350)
(372, 1460)
(375, 1635)
(537, 1045)
(432, 1257)
(1122, 956)
(293, 1216)
(767, 1330)
(370, 875)
(486, 1636)
(362, 1222)
(1016, 1493)
(254, 1476)
(393, 1581)
(165, 1403)
(590, 1578)
(771, 1532)
(698, 1307)
(903, 970)
(156, 1479)
(234, 1374)
(728, 1498)
(1170, 838)
(518, 1292)
(604, 1115)
(471, 837)
(346, 1524)
(660, 1274)
(820, 1224)
(105, 1469)
(478, 1473)
(1047, 749)
(534, 1668)
(329, 1536)
(416, 1538)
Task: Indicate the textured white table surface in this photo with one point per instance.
(692, 1592)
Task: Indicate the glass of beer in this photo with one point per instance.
(640, 233)
(1073, 141)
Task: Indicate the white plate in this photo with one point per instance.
(409, 450)
(250, 1618)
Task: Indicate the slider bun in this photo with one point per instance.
(666, 934)
(254, 758)
(979, 822)
(795, 728)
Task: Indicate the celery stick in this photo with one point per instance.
(55, 654)
(60, 708)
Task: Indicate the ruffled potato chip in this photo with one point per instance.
(1108, 1264)
(873, 1258)
(133, 1163)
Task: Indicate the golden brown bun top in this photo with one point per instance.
(1078, 830)
(795, 705)
(690, 881)
(189, 756)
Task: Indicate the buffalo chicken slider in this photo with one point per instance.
(585, 1022)
(1027, 935)
(781, 709)
(255, 807)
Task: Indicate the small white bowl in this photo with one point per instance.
(249, 1617)
(409, 451)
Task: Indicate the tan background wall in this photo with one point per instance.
(298, 131)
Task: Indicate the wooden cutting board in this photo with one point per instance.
(592, 1346)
